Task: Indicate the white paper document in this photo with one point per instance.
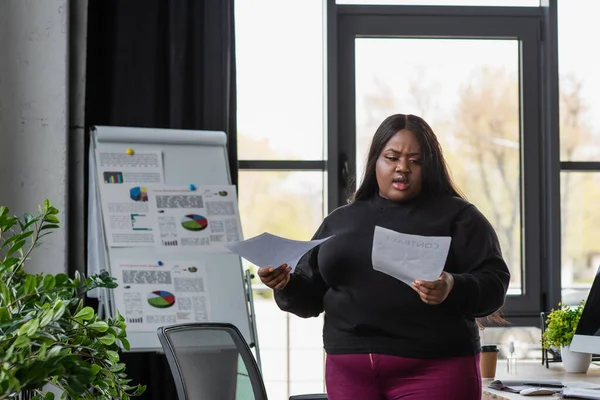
(203, 219)
(409, 257)
(590, 394)
(151, 295)
(123, 181)
(269, 250)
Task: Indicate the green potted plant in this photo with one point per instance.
(560, 329)
(47, 335)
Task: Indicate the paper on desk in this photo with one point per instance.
(576, 393)
(582, 385)
(269, 250)
(409, 257)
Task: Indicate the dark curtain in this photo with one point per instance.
(161, 64)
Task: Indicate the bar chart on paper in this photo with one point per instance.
(113, 177)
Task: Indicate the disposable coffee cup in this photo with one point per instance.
(488, 361)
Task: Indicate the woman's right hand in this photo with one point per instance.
(275, 278)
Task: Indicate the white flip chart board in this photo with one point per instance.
(188, 157)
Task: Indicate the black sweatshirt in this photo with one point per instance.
(367, 311)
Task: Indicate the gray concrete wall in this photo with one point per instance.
(34, 74)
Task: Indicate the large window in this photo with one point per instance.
(579, 147)
(280, 74)
(280, 79)
(476, 83)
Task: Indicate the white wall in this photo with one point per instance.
(33, 115)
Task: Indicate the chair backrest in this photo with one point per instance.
(211, 361)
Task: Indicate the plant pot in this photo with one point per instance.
(575, 362)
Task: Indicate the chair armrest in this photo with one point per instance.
(319, 396)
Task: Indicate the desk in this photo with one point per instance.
(535, 370)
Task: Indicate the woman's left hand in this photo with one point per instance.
(435, 292)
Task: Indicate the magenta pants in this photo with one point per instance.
(383, 377)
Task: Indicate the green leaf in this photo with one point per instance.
(8, 355)
(99, 326)
(8, 222)
(29, 217)
(117, 367)
(113, 356)
(6, 294)
(29, 220)
(42, 352)
(29, 327)
(95, 368)
(49, 282)
(53, 219)
(22, 341)
(49, 396)
(10, 261)
(85, 314)
(49, 226)
(125, 343)
(8, 265)
(61, 278)
(54, 351)
(16, 237)
(47, 317)
(45, 337)
(4, 315)
(47, 205)
(58, 309)
(15, 247)
(107, 339)
(30, 284)
(3, 211)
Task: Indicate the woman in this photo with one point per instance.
(384, 339)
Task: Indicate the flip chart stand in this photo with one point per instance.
(188, 157)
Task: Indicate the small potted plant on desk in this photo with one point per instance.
(560, 329)
(47, 335)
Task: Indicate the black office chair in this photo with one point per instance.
(212, 361)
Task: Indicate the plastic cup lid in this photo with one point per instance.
(489, 348)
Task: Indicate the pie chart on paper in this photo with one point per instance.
(161, 299)
(194, 222)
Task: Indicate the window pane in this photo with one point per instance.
(525, 339)
(288, 204)
(579, 81)
(580, 215)
(280, 78)
(468, 90)
(307, 357)
(284, 203)
(502, 3)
